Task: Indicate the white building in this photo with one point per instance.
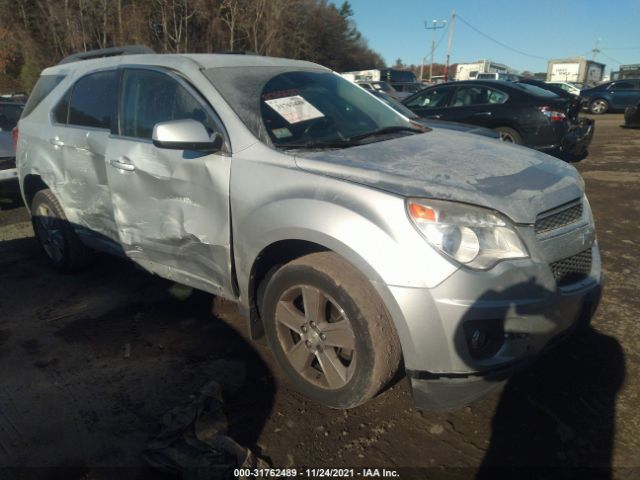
(469, 71)
(578, 69)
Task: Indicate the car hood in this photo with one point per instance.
(442, 164)
(458, 127)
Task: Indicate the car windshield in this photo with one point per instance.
(538, 91)
(9, 115)
(295, 108)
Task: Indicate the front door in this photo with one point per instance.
(625, 93)
(431, 102)
(171, 207)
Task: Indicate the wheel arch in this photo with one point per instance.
(32, 184)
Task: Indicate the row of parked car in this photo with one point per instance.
(537, 114)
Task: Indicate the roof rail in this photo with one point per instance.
(107, 52)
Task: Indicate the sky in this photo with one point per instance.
(541, 29)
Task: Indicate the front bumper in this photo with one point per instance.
(449, 391)
(465, 336)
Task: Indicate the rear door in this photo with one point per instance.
(624, 93)
(477, 105)
(82, 122)
(171, 207)
(431, 102)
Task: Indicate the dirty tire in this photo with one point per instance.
(56, 237)
(348, 294)
(509, 135)
(599, 106)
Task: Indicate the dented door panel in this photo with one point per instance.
(171, 208)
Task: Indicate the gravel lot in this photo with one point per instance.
(90, 363)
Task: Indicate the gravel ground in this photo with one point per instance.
(90, 363)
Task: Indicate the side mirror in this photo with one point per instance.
(186, 135)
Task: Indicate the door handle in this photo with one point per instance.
(56, 142)
(434, 116)
(482, 114)
(122, 164)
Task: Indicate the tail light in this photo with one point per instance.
(14, 138)
(553, 115)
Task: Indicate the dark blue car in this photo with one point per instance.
(612, 96)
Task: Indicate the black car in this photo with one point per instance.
(521, 113)
(409, 87)
(430, 123)
(611, 96)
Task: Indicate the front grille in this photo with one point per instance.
(572, 269)
(558, 219)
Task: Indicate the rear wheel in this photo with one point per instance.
(56, 236)
(329, 331)
(599, 106)
(509, 135)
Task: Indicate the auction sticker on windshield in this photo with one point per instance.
(294, 109)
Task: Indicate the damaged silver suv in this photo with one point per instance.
(356, 241)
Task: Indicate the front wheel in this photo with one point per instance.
(329, 331)
(56, 236)
(599, 106)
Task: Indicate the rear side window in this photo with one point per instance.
(150, 97)
(44, 86)
(477, 95)
(93, 100)
(623, 86)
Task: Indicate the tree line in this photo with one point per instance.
(35, 34)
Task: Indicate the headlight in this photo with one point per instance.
(473, 236)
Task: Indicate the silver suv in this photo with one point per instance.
(357, 241)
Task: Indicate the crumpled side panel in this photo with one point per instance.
(173, 211)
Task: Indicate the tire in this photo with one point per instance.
(350, 330)
(599, 106)
(58, 240)
(509, 135)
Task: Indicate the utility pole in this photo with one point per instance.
(435, 25)
(596, 50)
(450, 43)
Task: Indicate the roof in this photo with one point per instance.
(200, 60)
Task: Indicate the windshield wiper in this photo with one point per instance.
(386, 130)
(320, 144)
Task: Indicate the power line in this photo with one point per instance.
(611, 58)
(499, 42)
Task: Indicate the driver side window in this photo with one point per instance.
(431, 98)
(150, 97)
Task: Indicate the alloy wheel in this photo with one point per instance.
(599, 106)
(506, 137)
(316, 336)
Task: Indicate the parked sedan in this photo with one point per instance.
(521, 113)
(611, 96)
(431, 123)
(9, 115)
(408, 87)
